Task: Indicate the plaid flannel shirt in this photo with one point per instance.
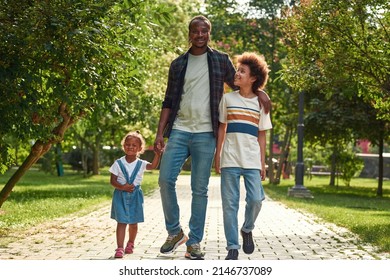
(221, 70)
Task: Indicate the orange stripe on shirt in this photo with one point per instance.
(252, 119)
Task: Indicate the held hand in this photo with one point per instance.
(159, 144)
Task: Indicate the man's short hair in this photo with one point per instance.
(201, 18)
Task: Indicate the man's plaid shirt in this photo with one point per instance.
(221, 70)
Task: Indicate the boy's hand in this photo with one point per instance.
(217, 165)
(262, 175)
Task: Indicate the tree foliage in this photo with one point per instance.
(157, 45)
(334, 44)
(63, 60)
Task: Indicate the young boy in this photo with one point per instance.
(241, 150)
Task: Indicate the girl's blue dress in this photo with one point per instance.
(128, 207)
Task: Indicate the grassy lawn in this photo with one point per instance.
(41, 197)
(356, 207)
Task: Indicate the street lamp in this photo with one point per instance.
(299, 189)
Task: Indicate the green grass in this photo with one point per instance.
(41, 197)
(356, 208)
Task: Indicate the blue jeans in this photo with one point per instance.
(201, 148)
(230, 193)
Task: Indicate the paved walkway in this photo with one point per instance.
(280, 234)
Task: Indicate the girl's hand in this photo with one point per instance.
(128, 188)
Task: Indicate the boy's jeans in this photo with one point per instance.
(230, 193)
(201, 148)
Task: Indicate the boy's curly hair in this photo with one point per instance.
(258, 67)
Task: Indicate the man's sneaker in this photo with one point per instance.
(194, 252)
(248, 246)
(232, 255)
(172, 242)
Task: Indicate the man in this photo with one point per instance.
(189, 118)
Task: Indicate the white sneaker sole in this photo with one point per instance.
(180, 242)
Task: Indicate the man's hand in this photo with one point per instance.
(264, 101)
(159, 144)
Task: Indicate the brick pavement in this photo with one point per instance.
(280, 234)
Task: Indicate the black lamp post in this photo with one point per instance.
(299, 189)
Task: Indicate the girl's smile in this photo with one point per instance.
(132, 146)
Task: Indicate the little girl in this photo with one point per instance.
(127, 200)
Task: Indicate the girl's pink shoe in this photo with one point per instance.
(129, 248)
(119, 253)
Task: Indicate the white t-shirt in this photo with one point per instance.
(116, 170)
(244, 119)
(194, 113)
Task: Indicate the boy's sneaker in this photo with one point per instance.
(194, 252)
(248, 246)
(232, 255)
(172, 242)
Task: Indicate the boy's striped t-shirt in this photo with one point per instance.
(244, 119)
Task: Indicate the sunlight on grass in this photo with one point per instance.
(356, 208)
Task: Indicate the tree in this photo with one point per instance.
(336, 121)
(60, 61)
(342, 46)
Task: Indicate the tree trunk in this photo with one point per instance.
(379, 191)
(271, 135)
(333, 167)
(90, 164)
(96, 155)
(59, 164)
(283, 160)
(271, 155)
(84, 158)
(37, 150)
